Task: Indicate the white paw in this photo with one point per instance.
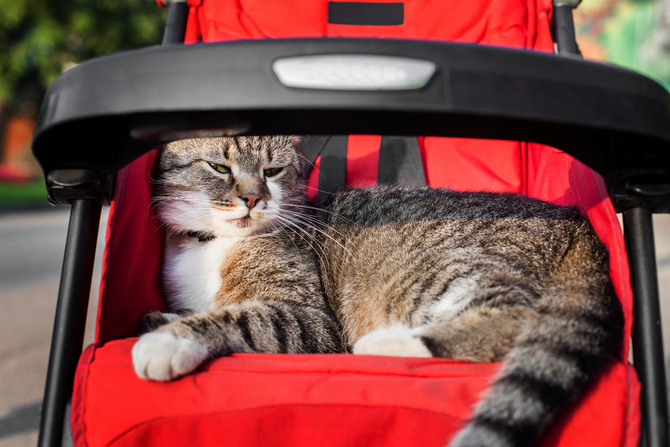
(162, 356)
(399, 342)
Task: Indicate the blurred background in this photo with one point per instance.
(39, 39)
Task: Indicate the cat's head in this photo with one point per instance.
(229, 186)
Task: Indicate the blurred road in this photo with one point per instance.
(31, 252)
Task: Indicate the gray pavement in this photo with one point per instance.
(31, 254)
(31, 251)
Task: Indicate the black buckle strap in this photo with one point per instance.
(333, 166)
(310, 147)
(400, 162)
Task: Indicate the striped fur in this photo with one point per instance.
(481, 277)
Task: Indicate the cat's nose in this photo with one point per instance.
(250, 199)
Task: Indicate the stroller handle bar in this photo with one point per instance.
(108, 111)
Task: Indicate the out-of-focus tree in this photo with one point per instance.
(631, 33)
(41, 38)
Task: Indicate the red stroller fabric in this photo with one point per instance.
(338, 400)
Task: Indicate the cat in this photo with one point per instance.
(235, 279)
(395, 271)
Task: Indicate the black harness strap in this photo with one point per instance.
(333, 166)
(400, 162)
(310, 147)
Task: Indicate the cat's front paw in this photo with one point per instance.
(398, 342)
(162, 356)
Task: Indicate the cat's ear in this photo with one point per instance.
(165, 156)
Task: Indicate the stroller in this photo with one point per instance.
(492, 116)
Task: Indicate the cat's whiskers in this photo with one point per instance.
(316, 221)
(156, 181)
(318, 230)
(311, 164)
(215, 213)
(339, 216)
(188, 219)
(292, 225)
(323, 258)
(156, 202)
(169, 230)
(318, 250)
(275, 226)
(318, 190)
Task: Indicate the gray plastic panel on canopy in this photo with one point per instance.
(108, 111)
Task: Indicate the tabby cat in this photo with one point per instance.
(384, 271)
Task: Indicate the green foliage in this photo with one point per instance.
(628, 37)
(632, 33)
(12, 194)
(45, 37)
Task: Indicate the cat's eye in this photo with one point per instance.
(271, 172)
(220, 168)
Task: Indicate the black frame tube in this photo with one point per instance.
(70, 321)
(175, 23)
(565, 30)
(647, 339)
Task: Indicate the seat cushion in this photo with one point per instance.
(324, 400)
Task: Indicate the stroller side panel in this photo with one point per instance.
(130, 284)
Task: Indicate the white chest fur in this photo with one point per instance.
(192, 272)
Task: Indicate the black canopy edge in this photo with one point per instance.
(108, 111)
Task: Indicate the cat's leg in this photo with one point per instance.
(397, 341)
(477, 335)
(480, 335)
(179, 347)
(153, 320)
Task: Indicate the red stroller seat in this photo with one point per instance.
(253, 399)
(260, 399)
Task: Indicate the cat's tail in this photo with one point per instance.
(553, 359)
